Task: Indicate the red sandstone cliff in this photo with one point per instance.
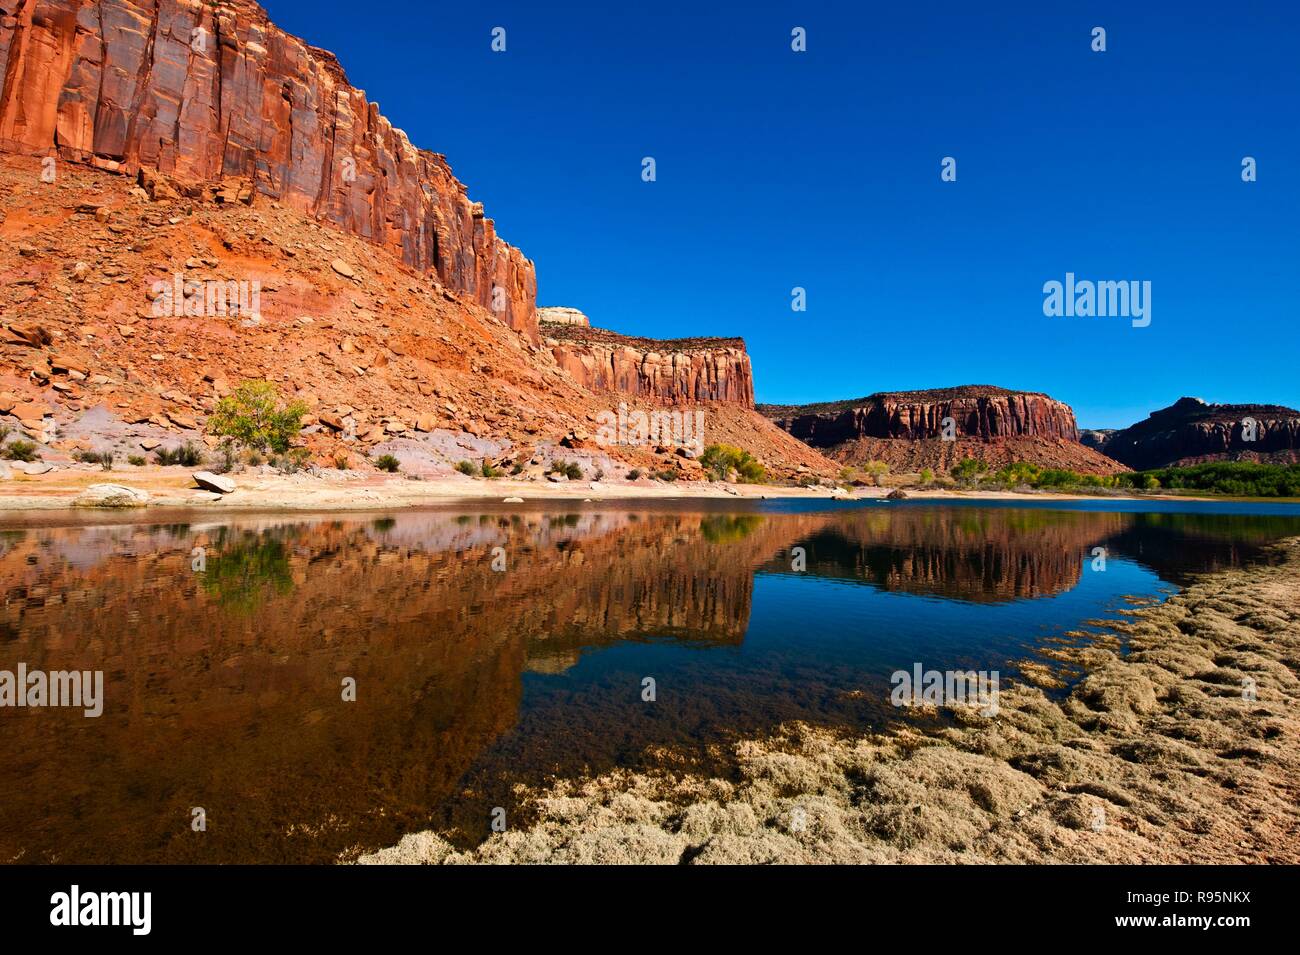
(978, 411)
(906, 429)
(1191, 431)
(672, 371)
(205, 93)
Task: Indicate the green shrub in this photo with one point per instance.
(20, 450)
(968, 469)
(634, 474)
(665, 475)
(569, 469)
(103, 458)
(1237, 478)
(927, 476)
(255, 416)
(135, 460)
(720, 460)
(491, 472)
(386, 462)
(187, 454)
(467, 468)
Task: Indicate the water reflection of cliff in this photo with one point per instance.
(982, 556)
(224, 682)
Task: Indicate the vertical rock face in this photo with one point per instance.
(667, 371)
(978, 411)
(203, 92)
(1191, 431)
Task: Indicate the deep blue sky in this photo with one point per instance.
(821, 170)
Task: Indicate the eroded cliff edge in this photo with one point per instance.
(204, 93)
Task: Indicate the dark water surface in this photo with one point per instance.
(223, 684)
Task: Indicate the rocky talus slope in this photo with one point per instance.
(1191, 431)
(907, 429)
(387, 358)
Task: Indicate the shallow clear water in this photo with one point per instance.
(224, 675)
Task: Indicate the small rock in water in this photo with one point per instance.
(513, 500)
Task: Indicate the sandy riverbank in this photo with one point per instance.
(1156, 756)
(339, 491)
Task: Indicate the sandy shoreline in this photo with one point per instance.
(1157, 756)
(348, 491)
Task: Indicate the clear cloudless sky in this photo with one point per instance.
(821, 169)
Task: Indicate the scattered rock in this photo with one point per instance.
(213, 482)
(111, 495)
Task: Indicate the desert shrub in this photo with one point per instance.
(254, 459)
(665, 475)
(20, 450)
(467, 468)
(256, 417)
(386, 462)
(188, 454)
(103, 458)
(927, 476)
(291, 461)
(634, 474)
(225, 462)
(517, 468)
(1238, 478)
(570, 469)
(489, 471)
(968, 469)
(720, 460)
(135, 460)
(342, 462)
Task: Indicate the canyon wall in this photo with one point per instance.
(204, 93)
(981, 412)
(1191, 431)
(668, 371)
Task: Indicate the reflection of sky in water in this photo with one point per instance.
(816, 649)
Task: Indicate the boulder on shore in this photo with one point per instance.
(214, 482)
(111, 495)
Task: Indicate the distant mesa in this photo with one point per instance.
(1192, 431)
(664, 370)
(906, 429)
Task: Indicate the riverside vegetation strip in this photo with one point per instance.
(1178, 745)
